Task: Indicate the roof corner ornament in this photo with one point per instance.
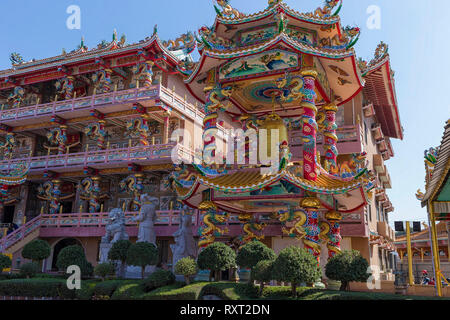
(227, 10)
(273, 3)
(155, 30)
(16, 58)
(327, 10)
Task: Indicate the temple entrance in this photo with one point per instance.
(61, 245)
(8, 214)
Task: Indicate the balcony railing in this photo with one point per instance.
(349, 140)
(103, 157)
(99, 101)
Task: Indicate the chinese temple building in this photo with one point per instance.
(437, 201)
(284, 137)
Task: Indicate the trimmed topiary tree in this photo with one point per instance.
(142, 254)
(5, 262)
(252, 253)
(74, 255)
(262, 272)
(216, 257)
(187, 267)
(346, 267)
(157, 279)
(119, 252)
(29, 270)
(104, 269)
(36, 250)
(296, 265)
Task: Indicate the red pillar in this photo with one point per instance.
(334, 235)
(309, 125)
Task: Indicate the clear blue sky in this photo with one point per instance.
(416, 31)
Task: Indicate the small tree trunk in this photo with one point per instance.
(187, 280)
(261, 288)
(143, 272)
(294, 289)
(344, 286)
(210, 275)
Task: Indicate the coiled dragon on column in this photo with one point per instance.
(65, 88)
(209, 230)
(96, 131)
(90, 191)
(133, 185)
(143, 74)
(296, 218)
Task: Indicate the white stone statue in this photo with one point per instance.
(115, 231)
(185, 245)
(147, 218)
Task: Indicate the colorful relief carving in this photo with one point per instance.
(327, 10)
(349, 38)
(292, 88)
(133, 185)
(185, 42)
(50, 191)
(327, 125)
(209, 228)
(96, 131)
(142, 75)
(8, 146)
(227, 9)
(210, 39)
(58, 137)
(102, 81)
(16, 97)
(269, 61)
(296, 219)
(65, 88)
(330, 232)
(309, 127)
(259, 35)
(91, 191)
(311, 226)
(143, 129)
(355, 167)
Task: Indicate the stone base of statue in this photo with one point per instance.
(134, 272)
(104, 250)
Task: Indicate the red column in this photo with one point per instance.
(309, 125)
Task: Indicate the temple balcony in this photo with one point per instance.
(116, 101)
(99, 159)
(93, 225)
(385, 230)
(349, 141)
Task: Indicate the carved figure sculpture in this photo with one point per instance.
(184, 238)
(147, 218)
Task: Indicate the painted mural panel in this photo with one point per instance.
(265, 62)
(253, 36)
(302, 35)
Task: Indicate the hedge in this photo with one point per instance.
(176, 292)
(129, 290)
(36, 288)
(158, 279)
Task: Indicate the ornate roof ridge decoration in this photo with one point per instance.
(441, 168)
(381, 55)
(260, 47)
(319, 16)
(251, 180)
(83, 54)
(16, 176)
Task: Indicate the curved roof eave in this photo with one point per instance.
(80, 56)
(280, 38)
(385, 62)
